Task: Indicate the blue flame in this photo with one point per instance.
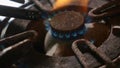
(67, 35)
(81, 32)
(47, 25)
(54, 34)
(61, 36)
(88, 19)
(74, 34)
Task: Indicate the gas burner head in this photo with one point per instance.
(67, 25)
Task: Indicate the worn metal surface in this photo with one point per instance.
(20, 45)
(81, 47)
(111, 48)
(36, 60)
(16, 38)
(105, 11)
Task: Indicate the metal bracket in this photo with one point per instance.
(85, 50)
(19, 45)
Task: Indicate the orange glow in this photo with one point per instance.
(84, 4)
(61, 3)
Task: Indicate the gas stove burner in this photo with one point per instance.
(48, 17)
(67, 25)
(98, 33)
(69, 35)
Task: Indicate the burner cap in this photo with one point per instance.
(67, 21)
(67, 24)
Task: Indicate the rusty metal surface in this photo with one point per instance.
(82, 47)
(96, 3)
(20, 45)
(111, 44)
(37, 60)
(16, 38)
(107, 10)
(110, 49)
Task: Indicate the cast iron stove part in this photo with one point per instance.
(67, 25)
(6, 21)
(115, 63)
(19, 41)
(41, 6)
(23, 6)
(18, 37)
(82, 46)
(3, 23)
(49, 1)
(19, 13)
(107, 10)
(116, 31)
